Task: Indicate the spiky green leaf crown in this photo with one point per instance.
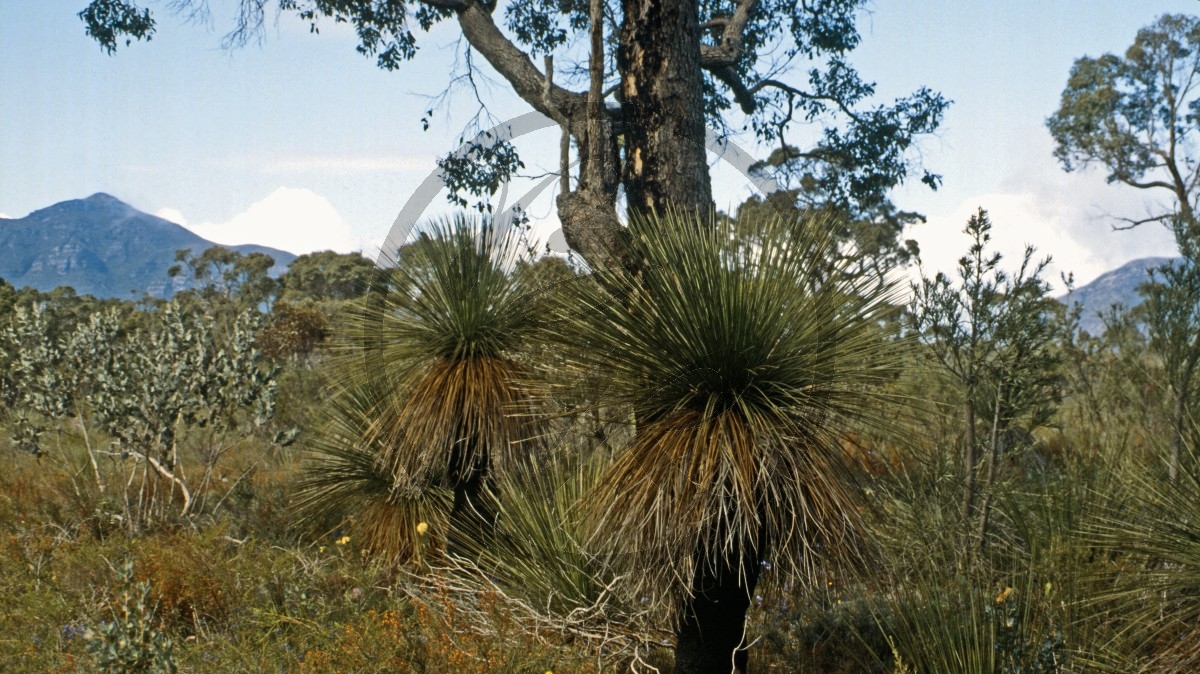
(431, 392)
(742, 355)
(457, 293)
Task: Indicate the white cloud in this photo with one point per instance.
(1017, 219)
(6, 216)
(293, 219)
(345, 164)
(172, 215)
(1069, 216)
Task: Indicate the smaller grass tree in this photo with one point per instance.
(433, 393)
(741, 368)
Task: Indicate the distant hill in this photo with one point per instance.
(104, 247)
(1118, 286)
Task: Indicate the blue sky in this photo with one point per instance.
(304, 144)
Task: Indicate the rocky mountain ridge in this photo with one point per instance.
(104, 247)
(1118, 286)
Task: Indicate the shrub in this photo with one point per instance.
(131, 643)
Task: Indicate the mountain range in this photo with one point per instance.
(1118, 286)
(102, 246)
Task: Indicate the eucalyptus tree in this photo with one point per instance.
(181, 378)
(633, 85)
(1135, 116)
(434, 394)
(741, 371)
(227, 276)
(47, 373)
(326, 275)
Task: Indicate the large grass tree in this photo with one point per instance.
(741, 371)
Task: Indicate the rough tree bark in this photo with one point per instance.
(661, 115)
(662, 87)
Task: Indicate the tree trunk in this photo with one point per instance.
(712, 621)
(588, 214)
(661, 117)
(1177, 421)
(662, 90)
(969, 461)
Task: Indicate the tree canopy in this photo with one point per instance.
(327, 275)
(634, 84)
(1136, 117)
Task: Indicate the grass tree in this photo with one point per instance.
(1148, 534)
(433, 390)
(346, 480)
(741, 371)
(537, 561)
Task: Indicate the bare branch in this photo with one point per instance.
(606, 625)
(1130, 223)
(161, 470)
(807, 96)
(515, 65)
(1147, 185)
(564, 143)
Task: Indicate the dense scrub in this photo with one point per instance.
(1088, 560)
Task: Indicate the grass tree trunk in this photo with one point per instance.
(712, 623)
(471, 515)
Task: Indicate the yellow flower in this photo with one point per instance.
(422, 527)
(343, 540)
(321, 549)
(1004, 595)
